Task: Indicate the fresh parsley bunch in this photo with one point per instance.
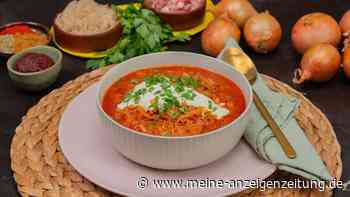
(143, 32)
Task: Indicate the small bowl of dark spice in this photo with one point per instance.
(33, 62)
(35, 68)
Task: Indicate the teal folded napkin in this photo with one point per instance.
(259, 135)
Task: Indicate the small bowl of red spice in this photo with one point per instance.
(15, 37)
(35, 68)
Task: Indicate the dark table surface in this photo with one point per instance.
(331, 97)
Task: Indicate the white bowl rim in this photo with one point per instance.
(246, 110)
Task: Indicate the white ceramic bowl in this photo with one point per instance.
(175, 153)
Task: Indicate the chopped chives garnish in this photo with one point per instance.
(165, 99)
(210, 104)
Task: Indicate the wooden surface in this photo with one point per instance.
(332, 97)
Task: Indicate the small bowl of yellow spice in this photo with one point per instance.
(17, 36)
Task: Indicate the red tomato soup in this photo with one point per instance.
(176, 100)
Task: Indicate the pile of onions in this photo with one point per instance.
(238, 10)
(262, 32)
(218, 31)
(313, 29)
(319, 63)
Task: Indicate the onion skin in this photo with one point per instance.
(238, 10)
(315, 28)
(263, 32)
(346, 62)
(345, 23)
(214, 36)
(319, 63)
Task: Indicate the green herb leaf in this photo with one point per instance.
(189, 95)
(188, 81)
(179, 88)
(94, 64)
(210, 104)
(174, 115)
(182, 110)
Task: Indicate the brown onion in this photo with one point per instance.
(262, 32)
(346, 61)
(315, 28)
(238, 10)
(215, 35)
(345, 23)
(319, 63)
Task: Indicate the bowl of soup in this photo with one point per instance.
(174, 110)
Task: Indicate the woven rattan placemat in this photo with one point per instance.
(40, 168)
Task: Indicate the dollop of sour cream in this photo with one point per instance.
(145, 95)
